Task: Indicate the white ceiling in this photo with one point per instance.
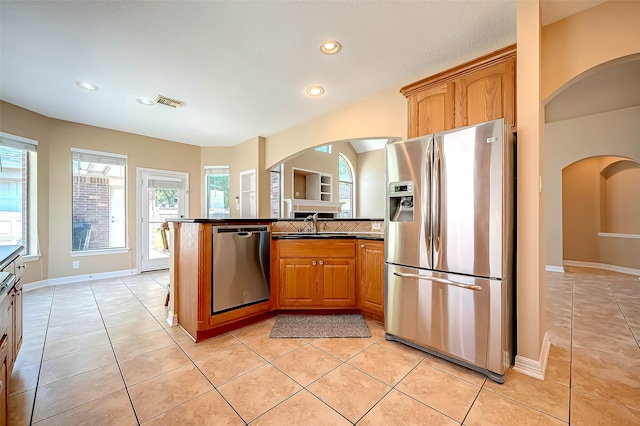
(241, 67)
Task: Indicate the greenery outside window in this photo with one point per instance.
(216, 187)
(18, 195)
(346, 186)
(99, 200)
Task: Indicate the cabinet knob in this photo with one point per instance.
(321, 262)
(361, 245)
(314, 262)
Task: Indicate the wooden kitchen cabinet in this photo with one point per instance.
(191, 273)
(474, 92)
(4, 380)
(316, 274)
(486, 94)
(370, 288)
(431, 110)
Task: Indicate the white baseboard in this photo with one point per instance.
(553, 268)
(172, 319)
(613, 268)
(532, 367)
(77, 279)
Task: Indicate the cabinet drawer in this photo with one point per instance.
(19, 267)
(307, 248)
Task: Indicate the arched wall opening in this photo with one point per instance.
(607, 132)
(601, 213)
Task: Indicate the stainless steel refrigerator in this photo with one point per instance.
(449, 243)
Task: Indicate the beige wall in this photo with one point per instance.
(371, 184)
(531, 298)
(581, 210)
(56, 138)
(578, 43)
(382, 115)
(601, 194)
(567, 141)
(321, 162)
(621, 194)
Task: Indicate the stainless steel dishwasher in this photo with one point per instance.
(240, 266)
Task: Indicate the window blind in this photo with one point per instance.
(17, 142)
(86, 156)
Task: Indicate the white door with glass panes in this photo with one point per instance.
(162, 195)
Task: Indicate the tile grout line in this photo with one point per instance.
(126, 388)
(44, 343)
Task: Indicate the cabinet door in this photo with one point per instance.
(7, 314)
(487, 94)
(298, 282)
(431, 110)
(337, 282)
(17, 321)
(4, 381)
(371, 276)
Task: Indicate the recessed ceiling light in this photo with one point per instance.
(87, 86)
(144, 101)
(330, 47)
(315, 91)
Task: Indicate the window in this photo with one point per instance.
(99, 201)
(346, 186)
(18, 196)
(216, 186)
(324, 148)
(275, 199)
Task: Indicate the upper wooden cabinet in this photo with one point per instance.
(474, 92)
(431, 110)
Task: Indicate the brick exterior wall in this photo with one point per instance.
(91, 206)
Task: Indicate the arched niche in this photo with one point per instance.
(601, 211)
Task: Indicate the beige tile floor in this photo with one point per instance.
(100, 353)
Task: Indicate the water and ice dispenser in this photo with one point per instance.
(401, 201)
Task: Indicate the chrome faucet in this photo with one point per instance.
(314, 222)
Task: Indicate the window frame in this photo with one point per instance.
(116, 159)
(28, 146)
(212, 171)
(352, 212)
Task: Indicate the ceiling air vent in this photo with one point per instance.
(169, 102)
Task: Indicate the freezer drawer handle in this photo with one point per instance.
(439, 280)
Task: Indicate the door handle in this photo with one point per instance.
(439, 280)
(314, 262)
(321, 262)
(437, 196)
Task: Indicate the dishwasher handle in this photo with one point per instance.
(242, 231)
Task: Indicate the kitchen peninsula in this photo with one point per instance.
(337, 269)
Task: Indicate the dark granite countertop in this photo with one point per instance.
(7, 255)
(327, 236)
(221, 221)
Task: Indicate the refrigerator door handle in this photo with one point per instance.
(439, 280)
(427, 205)
(437, 195)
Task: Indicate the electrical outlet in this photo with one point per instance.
(76, 264)
(375, 225)
(297, 194)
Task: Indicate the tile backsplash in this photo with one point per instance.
(332, 225)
